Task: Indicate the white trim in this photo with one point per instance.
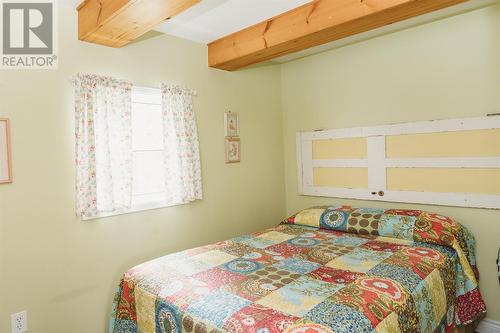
(463, 162)
(307, 167)
(431, 198)
(377, 178)
(340, 163)
(377, 163)
(300, 172)
(350, 193)
(141, 208)
(432, 126)
(488, 326)
(451, 162)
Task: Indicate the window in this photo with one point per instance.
(136, 148)
(148, 186)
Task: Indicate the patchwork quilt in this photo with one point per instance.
(323, 270)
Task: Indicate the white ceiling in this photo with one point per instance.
(212, 19)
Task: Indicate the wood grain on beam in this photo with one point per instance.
(117, 22)
(313, 24)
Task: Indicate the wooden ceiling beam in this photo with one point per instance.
(116, 23)
(313, 24)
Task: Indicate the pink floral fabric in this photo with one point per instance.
(103, 130)
(181, 146)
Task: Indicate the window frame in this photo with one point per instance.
(140, 95)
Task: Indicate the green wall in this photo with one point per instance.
(64, 271)
(445, 69)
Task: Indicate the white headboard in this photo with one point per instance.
(452, 162)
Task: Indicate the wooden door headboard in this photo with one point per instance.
(453, 162)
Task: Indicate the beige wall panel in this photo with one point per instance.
(339, 149)
(484, 181)
(341, 177)
(480, 143)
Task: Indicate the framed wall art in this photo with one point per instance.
(233, 150)
(231, 124)
(5, 152)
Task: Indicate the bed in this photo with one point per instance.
(324, 270)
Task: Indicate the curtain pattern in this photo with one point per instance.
(181, 146)
(103, 126)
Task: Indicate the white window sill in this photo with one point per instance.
(136, 209)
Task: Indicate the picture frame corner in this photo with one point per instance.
(5, 152)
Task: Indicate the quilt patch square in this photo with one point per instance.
(191, 324)
(377, 245)
(236, 249)
(309, 217)
(214, 258)
(240, 239)
(408, 278)
(438, 293)
(389, 325)
(347, 240)
(402, 242)
(307, 326)
(265, 257)
(359, 260)
(145, 308)
(286, 250)
(124, 325)
(256, 318)
(299, 296)
(339, 318)
(297, 265)
(425, 308)
(259, 243)
(154, 283)
(276, 236)
(217, 277)
(319, 234)
(326, 252)
(249, 288)
(332, 275)
(242, 266)
(334, 219)
(167, 318)
(262, 282)
(182, 292)
(398, 226)
(312, 287)
(189, 266)
(430, 301)
(304, 241)
(289, 303)
(291, 229)
(217, 307)
(365, 221)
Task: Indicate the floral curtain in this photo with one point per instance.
(103, 144)
(181, 147)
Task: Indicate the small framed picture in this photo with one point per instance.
(231, 124)
(233, 150)
(5, 152)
